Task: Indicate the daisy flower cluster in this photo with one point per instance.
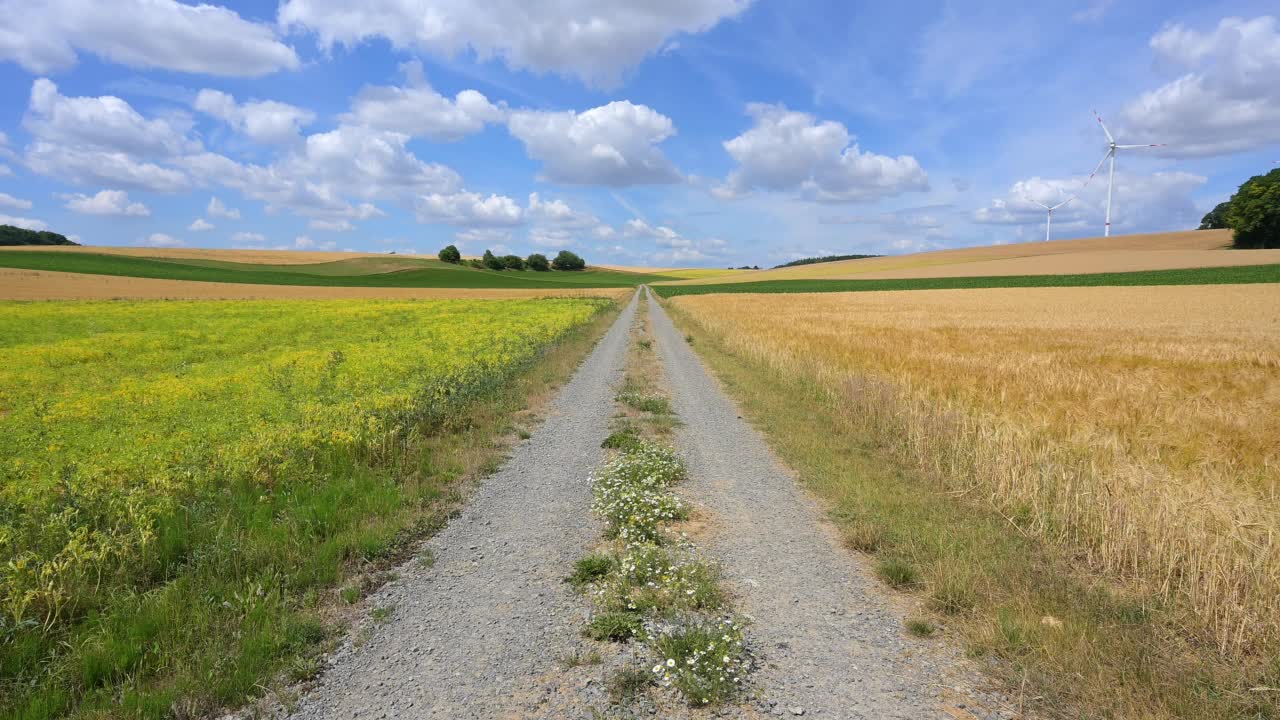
(702, 658)
(631, 493)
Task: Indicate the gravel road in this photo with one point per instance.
(482, 632)
(830, 644)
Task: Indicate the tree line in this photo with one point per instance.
(1252, 214)
(537, 262)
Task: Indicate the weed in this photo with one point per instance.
(953, 596)
(382, 614)
(703, 659)
(427, 559)
(578, 659)
(920, 627)
(627, 683)
(350, 594)
(624, 439)
(615, 626)
(646, 402)
(589, 569)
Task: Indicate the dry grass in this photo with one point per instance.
(1153, 251)
(1137, 426)
(45, 285)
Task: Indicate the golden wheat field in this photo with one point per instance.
(1138, 424)
(48, 285)
(1151, 251)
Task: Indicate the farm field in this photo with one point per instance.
(368, 272)
(45, 285)
(1133, 432)
(1128, 253)
(180, 479)
(1245, 274)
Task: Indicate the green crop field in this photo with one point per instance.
(360, 272)
(1240, 275)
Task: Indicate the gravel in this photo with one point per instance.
(828, 641)
(482, 633)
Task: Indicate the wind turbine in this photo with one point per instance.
(1112, 147)
(1048, 221)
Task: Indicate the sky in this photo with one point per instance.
(664, 133)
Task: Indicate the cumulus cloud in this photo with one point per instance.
(1160, 201)
(485, 236)
(302, 242)
(265, 121)
(339, 225)
(201, 225)
(217, 209)
(679, 249)
(1228, 102)
(468, 208)
(248, 237)
(9, 201)
(419, 111)
(102, 140)
(47, 36)
(595, 41)
(22, 222)
(106, 202)
(614, 144)
(161, 240)
(789, 151)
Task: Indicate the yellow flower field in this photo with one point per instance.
(116, 417)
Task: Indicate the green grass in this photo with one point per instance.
(420, 273)
(1245, 274)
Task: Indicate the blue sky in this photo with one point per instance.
(672, 132)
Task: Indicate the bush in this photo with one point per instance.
(492, 261)
(566, 260)
(1254, 213)
(475, 263)
(10, 235)
(589, 569)
(450, 254)
(538, 262)
(512, 262)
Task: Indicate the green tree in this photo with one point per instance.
(1254, 212)
(492, 261)
(450, 254)
(538, 261)
(512, 262)
(566, 260)
(1216, 219)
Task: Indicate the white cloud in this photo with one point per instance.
(340, 225)
(265, 121)
(302, 242)
(468, 208)
(420, 111)
(792, 152)
(595, 41)
(106, 202)
(26, 223)
(248, 237)
(1160, 201)
(161, 240)
(102, 140)
(216, 209)
(45, 36)
(680, 249)
(5, 170)
(485, 236)
(1229, 102)
(614, 144)
(9, 201)
(200, 225)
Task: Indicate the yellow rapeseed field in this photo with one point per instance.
(116, 416)
(1138, 424)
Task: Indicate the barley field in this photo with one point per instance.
(147, 443)
(1140, 426)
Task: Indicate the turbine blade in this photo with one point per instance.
(1096, 169)
(1126, 147)
(1104, 127)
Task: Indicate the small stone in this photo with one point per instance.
(797, 710)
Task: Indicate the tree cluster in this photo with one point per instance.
(537, 262)
(1252, 214)
(10, 235)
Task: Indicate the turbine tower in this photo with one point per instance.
(1112, 147)
(1048, 221)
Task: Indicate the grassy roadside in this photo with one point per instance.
(1065, 643)
(266, 579)
(1245, 274)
